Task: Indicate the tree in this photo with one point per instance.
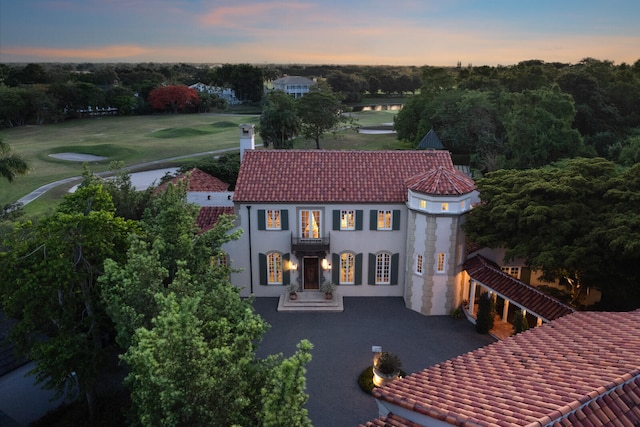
(279, 123)
(50, 286)
(538, 128)
(320, 112)
(284, 392)
(174, 98)
(11, 163)
(121, 98)
(128, 201)
(486, 313)
(575, 221)
(246, 80)
(520, 323)
(351, 86)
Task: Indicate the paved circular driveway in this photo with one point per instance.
(342, 349)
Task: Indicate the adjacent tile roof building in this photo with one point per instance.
(580, 370)
(536, 302)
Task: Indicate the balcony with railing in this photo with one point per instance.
(307, 244)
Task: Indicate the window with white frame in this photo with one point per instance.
(385, 220)
(347, 268)
(274, 268)
(347, 220)
(383, 269)
(423, 204)
(419, 263)
(310, 224)
(511, 271)
(273, 219)
(219, 260)
(440, 263)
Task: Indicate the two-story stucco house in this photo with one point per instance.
(296, 86)
(376, 223)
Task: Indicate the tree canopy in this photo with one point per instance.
(174, 98)
(50, 284)
(320, 111)
(279, 122)
(576, 221)
(11, 163)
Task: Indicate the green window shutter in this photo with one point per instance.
(372, 269)
(395, 265)
(358, 272)
(335, 268)
(359, 219)
(373, 219)
(336, 219)
(284, 219)
(525, 275)
(262, 222)
(396, 220)
(263, 268)
(286, 272)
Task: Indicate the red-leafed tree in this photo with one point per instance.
(174, 98)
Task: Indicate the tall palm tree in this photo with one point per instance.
(11, 164)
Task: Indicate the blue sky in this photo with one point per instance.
(391, 32)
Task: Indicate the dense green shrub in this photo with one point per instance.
(486, 313)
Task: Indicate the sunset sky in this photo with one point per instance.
(391, 32)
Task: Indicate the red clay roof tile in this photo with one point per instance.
(441, 181)
(535, 301)
(327, 176)
(582, 369)
(208, 216)
(198, 181)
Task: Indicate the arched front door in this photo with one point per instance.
(311, 267)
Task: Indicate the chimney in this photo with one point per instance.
(247, 138)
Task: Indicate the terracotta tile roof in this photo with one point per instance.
(208, 216)
(198, 181)
(325, 176)
(535, 301)
(580, 370)
(442, 182)
(391, 420)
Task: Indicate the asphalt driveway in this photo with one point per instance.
(342, 349)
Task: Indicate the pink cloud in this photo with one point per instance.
(240, 15)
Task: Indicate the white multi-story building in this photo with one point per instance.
(295, 86)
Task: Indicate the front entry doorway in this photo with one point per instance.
(311, 268)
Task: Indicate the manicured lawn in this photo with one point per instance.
(139, 139)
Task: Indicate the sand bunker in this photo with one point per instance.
(77, 157)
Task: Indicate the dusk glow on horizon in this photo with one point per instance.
(402, 32)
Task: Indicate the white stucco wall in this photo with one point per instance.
(363, 242)
(208, 198)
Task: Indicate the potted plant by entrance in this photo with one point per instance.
(327, 288)
(292, 289)
(386, 368)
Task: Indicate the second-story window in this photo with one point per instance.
(384, 220)
(419, 264)
(273, 219)
(347, 220)
(310, 224)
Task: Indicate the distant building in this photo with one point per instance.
(295, 86)
(227, 94)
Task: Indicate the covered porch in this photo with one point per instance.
(510, 295)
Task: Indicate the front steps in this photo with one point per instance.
(311, 301)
